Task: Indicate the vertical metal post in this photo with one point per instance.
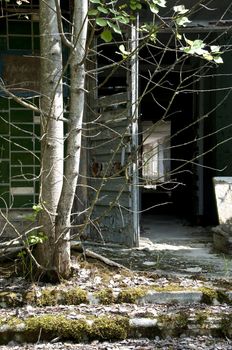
(200, 144)
(134, 128)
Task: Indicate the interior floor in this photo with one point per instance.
(160, 228)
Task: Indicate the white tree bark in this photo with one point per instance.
(51, 128)
(72, 162)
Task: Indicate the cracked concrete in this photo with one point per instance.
(169, 246)
(190, 246)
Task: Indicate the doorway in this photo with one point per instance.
(168, 132)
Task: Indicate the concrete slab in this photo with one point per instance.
(185, 249)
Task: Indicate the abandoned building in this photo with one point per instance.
(141, 158)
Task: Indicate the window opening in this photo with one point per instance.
(156, 153)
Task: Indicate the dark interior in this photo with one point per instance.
(179, 192)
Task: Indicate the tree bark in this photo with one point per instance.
(51, 130)
(72, 162)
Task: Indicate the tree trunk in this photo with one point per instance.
(51, 130)
(72, 162)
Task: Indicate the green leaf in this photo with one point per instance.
(154, 8)
(123, 50)
(115, 28)
(95, 1)
(215, 49)
(101, 22)
(115, 12)
(103, 9)
(190, 42)
(218, 60)
(93, 12)
(106, 35)
(161, 3)
(133, 7)
(122, 19)
(182, 21)
(37, 208)
(207, 56)
(180, 9)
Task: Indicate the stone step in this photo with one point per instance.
(86, 324)
(50, 296)
(182, 343)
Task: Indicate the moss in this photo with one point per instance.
(13, 322)
(10, 299)
(169, 288)
(49, 326)
(75, 296)
(182, 319)
(52, 297)
(131, 295)
(48, 297)
(48, 323)
(201, 318)
(226, 326)
(175, 324)
(2, 321)
(30, 297)
(53, 325)
(209, 295)
(110, 328)
(223, 297)
(105, 296)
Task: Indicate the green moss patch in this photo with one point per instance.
(10, 299)
(79, 330)
(86, 328)
(209, 295)
(226, 326)
(110, 328)
(53, 296)
(75, 296)
(201, 318)
(105, 296)
(170, 288)
(174, 324)
(131, 295)
(52, 326)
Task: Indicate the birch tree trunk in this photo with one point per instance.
(72, 162)
(51, 130)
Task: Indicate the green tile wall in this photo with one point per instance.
(21, 130)
(4, 196)
(4, 123)
(19, 153)
(21, 116)
(19, 27)
(3, 43)
(23, 201)
(4, 172)
(4, 148)
(27, 172)
(18, 167)
(19, 145)
(19, 43)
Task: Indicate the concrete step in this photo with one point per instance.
(85, 323)
(50, 296)
(104, 305)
